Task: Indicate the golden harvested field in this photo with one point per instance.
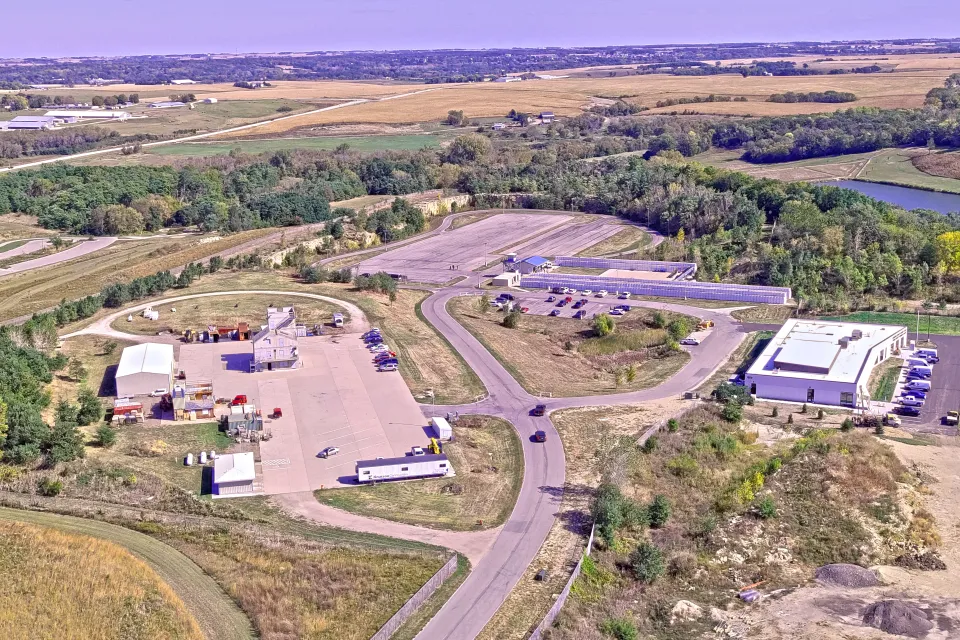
(281, 89)
(61, 585)
(30, 291)
(487, 457)
(13, 225)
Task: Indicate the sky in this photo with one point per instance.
(134, 27)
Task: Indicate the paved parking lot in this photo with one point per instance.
(336, 399)
(944, 390)
(568, 239)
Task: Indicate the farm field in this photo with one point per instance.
(488, 460)
(170, 598)
(30, 291)
(15, 227)
(365, 144)
(896, 166)
(226, 311)
(946, 325)
(559, 356)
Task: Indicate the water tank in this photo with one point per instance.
(213, 454)
(189, 460)
(203, 457)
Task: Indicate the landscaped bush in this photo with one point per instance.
(620, 629)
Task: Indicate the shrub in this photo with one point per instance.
(511, 320)
(659, 511)
(703, 526)
(678, 329)
(732, 412)
(803, 409)
(846, 425)
(650, 445)
(767, 508)
(603, 325)
(790, 419)
(647, 562)
(774, 465)
(682, 565)
(776, 411)
(727, 392)
(658, 320)
(820, 414)
(672, 425)
(106, 436)
(619, 628)
(608, 511)
(683, 466)
(49, 487)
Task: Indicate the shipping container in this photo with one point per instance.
(405, 468)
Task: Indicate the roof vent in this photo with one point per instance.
(857, 334)
(844, 342)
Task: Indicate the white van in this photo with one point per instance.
(918, 385)
(338, 319)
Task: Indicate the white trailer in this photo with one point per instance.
(442, 428)
(338, 319)
(405, 468)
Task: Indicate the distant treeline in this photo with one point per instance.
(15, 144)
(669, 102)
(20, 101)
(813, 96)
(443, 65)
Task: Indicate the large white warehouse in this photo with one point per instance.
(145, 368)
(823, 362)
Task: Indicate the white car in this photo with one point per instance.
(329, 451)
(156, 393)
(690, 342)
(616, 312)
(389, 366)
(379, 348)
(586, 292)
(418, 451)
(602, 293)
(624, 296)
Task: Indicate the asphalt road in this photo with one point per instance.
(77, 250)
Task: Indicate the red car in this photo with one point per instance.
(568, 299)
(524, 309)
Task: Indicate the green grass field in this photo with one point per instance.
(10, 246)
(364, 143)
(884, 379)
(944, 325)
(894, 166)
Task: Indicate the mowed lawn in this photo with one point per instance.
(487, 458)
(944, 325)
(357, 143)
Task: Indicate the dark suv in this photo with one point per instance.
(539, 410)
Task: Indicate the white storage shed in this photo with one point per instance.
(144, 368)
(405, 468)
(234, 475)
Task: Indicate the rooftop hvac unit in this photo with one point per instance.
(857, 334)
(844, 342)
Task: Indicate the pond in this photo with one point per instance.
(906, 197)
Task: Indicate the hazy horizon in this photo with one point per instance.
(243, 26)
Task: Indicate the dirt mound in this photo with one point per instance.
(927, 561)
(898, 617)
(846, 575)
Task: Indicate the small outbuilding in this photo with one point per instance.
(234, 475)
(533, 264)
(507, 279)
(145, 368)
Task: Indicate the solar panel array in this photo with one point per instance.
(662, 288)
(683, 268)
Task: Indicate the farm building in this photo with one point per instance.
(234, 475)
(35, 123)
(275, 346)
(183, 81)
(166, 104)
(145, 368)
(823, 362)
(508, 79)
(546, 117)
(533, 264)
(507, 279)
(405, 468)
(88, 114)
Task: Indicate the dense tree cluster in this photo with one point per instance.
(813, 96)
(15, 144)
(669, 102)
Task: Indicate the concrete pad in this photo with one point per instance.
(636, 275)
(337, 398)
(569, 239)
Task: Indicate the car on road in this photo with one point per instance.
(952, 418)
(692, 342)
(539, 410)
(908, 411)
(616, 311)
(555, 312)
(579, 315)
(540, 436)
(552, 299)
(417, 452)
(329, 451)
(388, 366)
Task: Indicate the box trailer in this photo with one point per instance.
(338, 319)
(405, 468)
(442, 428)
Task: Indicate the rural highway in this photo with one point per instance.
(77, 250)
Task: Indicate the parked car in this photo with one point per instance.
(562, 303)
(539, 410)
(555, 312)
(616, 311)
(552, 299)
(386, 355)
(690, 342)
(157, 393)
(914, 393)
(920, 385)
(540, 436)
(625, 307)
(418, 451)
(908, 411)
(892, 420)
(237, 400)
(579, 315)
(507, 296)
(379, 348)
(602, 293)
(373, 332)
(329, 451)
(911, 402)
(568, 299)
(624, 296)
(578, 304)
(953, 418)
(387, 366)
(586, 292)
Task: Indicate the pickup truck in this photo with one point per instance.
(953, 418)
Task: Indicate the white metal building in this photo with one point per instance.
(823, 362)
(144, 368)
(35, 123)
(405, 468)
(234, 475)
(88, 114)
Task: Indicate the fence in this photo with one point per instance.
(411, 605)
(562, 598)
(682, 269)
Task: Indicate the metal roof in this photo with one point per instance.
(813, 356)
(234, 467)
(536, 261)
(149, 357)
(385, 462)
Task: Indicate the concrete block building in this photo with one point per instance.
(145, 368)
(823, 362)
